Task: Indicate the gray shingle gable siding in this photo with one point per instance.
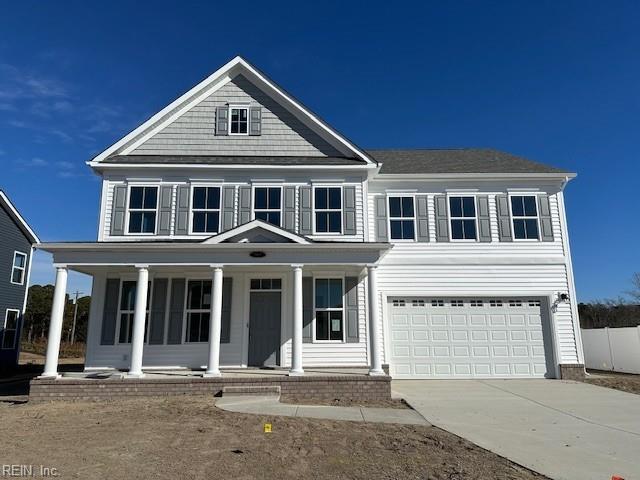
(193, 133)
(467, 160)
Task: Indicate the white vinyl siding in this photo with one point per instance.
(105, 233)
(194, 355)
(473, 268)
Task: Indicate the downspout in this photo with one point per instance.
(569, 267)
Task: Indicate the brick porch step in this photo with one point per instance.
(261, 390)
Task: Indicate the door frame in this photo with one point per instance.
(247, 312)
(547, 301)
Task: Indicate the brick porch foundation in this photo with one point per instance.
(572, 372)
(354, 388)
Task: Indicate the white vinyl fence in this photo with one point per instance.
(614, 349)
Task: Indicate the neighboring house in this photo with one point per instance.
(17, 240)
(238, 229)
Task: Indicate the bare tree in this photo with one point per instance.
(634, 293)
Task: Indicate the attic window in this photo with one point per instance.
(239, 121)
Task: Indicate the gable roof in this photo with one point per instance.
(15, 215)
(463, 160)
(216, 80)
(256, 225)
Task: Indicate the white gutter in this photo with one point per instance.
(469, 176)
(102, 165)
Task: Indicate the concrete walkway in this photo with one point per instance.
(270, 405)
(565, 430)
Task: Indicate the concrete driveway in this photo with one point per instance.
(565, 430)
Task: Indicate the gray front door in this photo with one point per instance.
(264, 329)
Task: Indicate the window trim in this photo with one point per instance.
(514, 217)
(185, 313)
(155, 227)
(4, 328)
(242, 107)
(414, 218)
(314, 210)
(129, 278)
(253, 200)
(451, 217)
(342, 279)
(192, 210)
(24, 269)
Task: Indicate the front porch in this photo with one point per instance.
(319, 384)
(254, 297)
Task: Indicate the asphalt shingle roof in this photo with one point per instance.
(463, 160)
(394, 161)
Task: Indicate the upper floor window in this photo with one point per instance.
(239, 121)
(206, 210)
(462, 212)
(267, 204)
(401, 218)
(143, 204)
(127, 310)
(18, 268)
(11, 318)
(329, 309)
(328, 209)
(198, 310)
(524, 214)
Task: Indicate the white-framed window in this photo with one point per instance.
(327, 207)
(127, 310)
(262, 284)
(463, 218)
(205, 209)
(524, 216)
(11, 318)
(329, 309)
(198, 311)
(143, 209)
(238, 120)
(267, 204)
(18, 268)
(402, 218)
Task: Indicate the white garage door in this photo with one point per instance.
(466, 337)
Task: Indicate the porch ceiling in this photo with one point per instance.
(89, 256)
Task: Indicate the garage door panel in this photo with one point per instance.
(466, 338)
(420, 335)
(439, 320)
(479, 335)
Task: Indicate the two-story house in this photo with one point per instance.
(17, 241)
(237, 229)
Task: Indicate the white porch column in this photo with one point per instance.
(374, 322)
(139, 320)
(215, 324)
(55, 326)
(296, 340)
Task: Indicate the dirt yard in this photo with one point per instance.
(189, 438)
(620, 381)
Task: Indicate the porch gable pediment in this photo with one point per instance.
(257, 231)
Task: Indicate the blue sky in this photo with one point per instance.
(557, 82)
